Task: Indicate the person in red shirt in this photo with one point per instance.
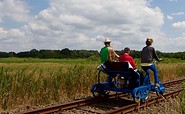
(125, 57)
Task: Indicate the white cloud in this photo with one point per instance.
(118, 20)
(2, 31)
(183, 34)
(179, 25)
(178, 13)
(169, 17)
(17, 10)
(83, 24)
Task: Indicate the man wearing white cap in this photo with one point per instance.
(107, 52)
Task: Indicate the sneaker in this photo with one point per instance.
(146, 97)
(157, 86)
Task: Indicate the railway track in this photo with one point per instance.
(114, 103)
(151, 101)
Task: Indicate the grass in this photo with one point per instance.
(30, 82)
(43, 83)
(37, 60)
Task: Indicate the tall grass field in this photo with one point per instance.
(31, 82)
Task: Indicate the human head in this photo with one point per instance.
(149, 41)
(107, 42)
(126, 50)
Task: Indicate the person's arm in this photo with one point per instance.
(112, 54)
(155, 55)
(116, 54)
(132, 62)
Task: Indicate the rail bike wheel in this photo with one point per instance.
(98, 91)
(145, 94)
(141, 94)
(160, 90)
(137, 97)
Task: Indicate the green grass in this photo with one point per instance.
(73, 61)
(37, 60)
(30, 81)
(43, 83)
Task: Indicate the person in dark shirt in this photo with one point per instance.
(148, 55)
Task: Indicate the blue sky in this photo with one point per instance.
(37, 5)
(174, 9)
(84, 24)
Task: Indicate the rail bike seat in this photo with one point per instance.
(120, 69)
(116, 68)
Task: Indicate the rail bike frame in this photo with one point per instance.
(134, 83)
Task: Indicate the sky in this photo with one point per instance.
(84, 24)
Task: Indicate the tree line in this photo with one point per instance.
(67, 53)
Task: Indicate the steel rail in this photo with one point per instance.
(60, 107)
(69, 105)
(166, 84)
(137, 106)
(83, 102)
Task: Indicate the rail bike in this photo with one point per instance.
(123, 78)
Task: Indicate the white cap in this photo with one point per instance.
(107, 40)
